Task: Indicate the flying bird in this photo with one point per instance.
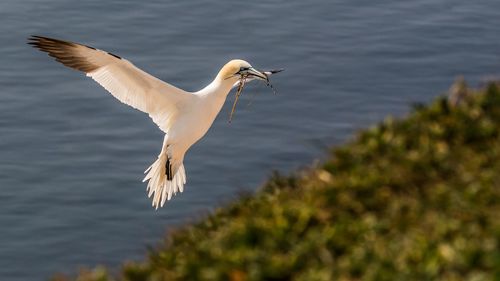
(183, 116)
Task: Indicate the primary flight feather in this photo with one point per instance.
(184, 116)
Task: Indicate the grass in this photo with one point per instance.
(410, 199)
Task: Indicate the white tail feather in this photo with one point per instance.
(158, 184)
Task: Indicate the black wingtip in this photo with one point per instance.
(65, 52)
(35, 38)
(31, 40)
(35, 41)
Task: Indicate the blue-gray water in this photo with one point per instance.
(71, 157)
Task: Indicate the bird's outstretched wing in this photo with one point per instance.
(120, 77)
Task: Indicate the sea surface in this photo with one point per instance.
(72, 157)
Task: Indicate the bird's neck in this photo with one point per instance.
(214, 95)
(218, 88)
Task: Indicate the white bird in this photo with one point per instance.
(184, 116)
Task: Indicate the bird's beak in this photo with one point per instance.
(256, 73)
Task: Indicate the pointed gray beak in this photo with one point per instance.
(256, 73)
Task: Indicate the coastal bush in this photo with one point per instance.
(410, 199)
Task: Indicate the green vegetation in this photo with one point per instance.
(411, 199)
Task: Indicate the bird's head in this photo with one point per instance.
(239, 72)
(236, 69)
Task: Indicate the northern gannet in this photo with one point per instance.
(184, 116)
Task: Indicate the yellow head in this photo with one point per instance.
(237, 68)
(241, 70)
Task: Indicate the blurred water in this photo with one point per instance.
(71, 157)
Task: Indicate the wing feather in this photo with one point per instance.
(120, 77)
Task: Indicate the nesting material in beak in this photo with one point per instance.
(243, 80)
(249, 75)
(269, 73)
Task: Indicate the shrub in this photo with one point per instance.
(410, 199)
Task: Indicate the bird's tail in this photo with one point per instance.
(164, 179)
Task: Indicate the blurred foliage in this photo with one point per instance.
(411, 199)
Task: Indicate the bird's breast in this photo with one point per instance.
(195, 121)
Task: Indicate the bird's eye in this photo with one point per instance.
(243, 68)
